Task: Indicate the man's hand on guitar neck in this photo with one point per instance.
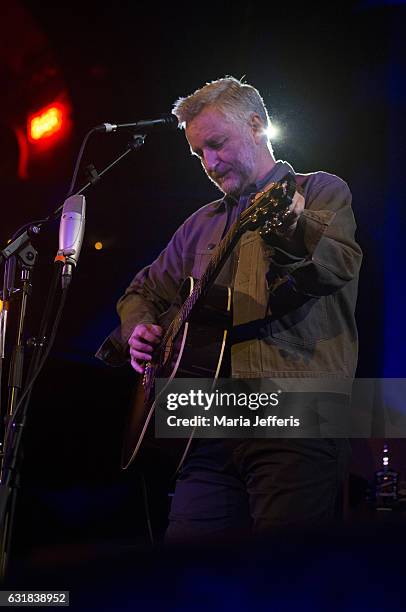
(142, 343)
(295, 210)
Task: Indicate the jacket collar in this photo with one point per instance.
(280, 169)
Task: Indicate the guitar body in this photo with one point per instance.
(197, 351)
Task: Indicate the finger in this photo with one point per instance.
(136, 340)
(138, 367)
(293, 208)
(298, 203)
(140, 355)
(141, 346)
(147, 334)
(141, 327)
(155, 330)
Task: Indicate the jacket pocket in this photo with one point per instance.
(303, 326)
(195, 263)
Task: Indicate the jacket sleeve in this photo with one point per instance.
(323, 255)
(149, 294)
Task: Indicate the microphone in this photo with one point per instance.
(167, 121)
(71, 231)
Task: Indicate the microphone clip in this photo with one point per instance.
(137, 140)
(91, 174)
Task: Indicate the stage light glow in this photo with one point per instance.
(98, 246)
(46, 122)
(273, 131)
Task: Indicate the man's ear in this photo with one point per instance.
(257, 127)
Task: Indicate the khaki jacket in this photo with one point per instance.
(293, 300)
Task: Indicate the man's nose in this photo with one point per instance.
(210, 160)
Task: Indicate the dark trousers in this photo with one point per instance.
(229, 488)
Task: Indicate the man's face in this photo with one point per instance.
(227, 150)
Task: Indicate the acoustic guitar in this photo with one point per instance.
(197, 323)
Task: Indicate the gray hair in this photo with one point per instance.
(237, 100)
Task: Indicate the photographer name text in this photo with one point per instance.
(224, 421)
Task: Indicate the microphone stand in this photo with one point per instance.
(26, 258)
(21, 251)
(10, 454)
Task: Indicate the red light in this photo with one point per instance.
(46, 123)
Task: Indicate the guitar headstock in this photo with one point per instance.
(270, 207)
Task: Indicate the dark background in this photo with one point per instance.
(331, 78)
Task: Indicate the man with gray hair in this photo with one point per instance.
(294, 295)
